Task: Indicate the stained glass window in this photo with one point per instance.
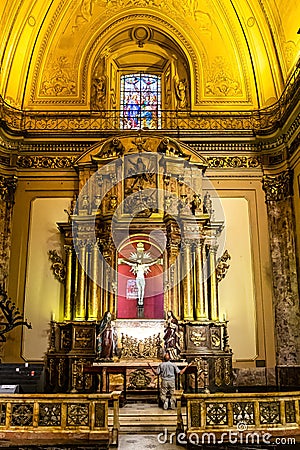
(140, 101)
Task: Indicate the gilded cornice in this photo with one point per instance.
(295, 145)
(225, 147)
(278, 187)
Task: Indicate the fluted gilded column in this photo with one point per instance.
(205, 276)
(101, 309)
(81, 286)
(213, 292)
(68, 283)
(187, 282)
(201, 304)
(172, 298)
(94, 288)
(111, 295)
(177, 289)
(167, 284)
(106, 272)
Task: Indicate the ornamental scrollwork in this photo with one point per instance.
(45, 162)
(60, 80)
(139, 379)
(198, 338)
(233, 162)
(278, 187)
(11, 314)
(222, 81)
(222, 266)
(22, 414)
(58, 266)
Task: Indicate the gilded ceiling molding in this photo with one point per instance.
(7, 188)
(56, 147)
(46, 162)
(239, 46)
(233, 162)
(278, 187)
(43, 47)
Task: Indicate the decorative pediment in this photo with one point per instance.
(118, 146)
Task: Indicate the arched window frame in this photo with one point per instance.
(140, 100)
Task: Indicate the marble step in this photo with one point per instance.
(145, 418)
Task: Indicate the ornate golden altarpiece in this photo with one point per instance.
(141, 198)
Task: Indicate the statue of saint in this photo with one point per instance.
(98, 96)
(106, 337)
(180, 90)
(172, 336)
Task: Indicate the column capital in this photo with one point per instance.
(278, 187)
(7, 188)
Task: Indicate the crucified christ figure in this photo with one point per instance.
(140, 269)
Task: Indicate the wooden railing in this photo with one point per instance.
(57, 417)
(244, 416)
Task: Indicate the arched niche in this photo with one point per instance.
(146, 50)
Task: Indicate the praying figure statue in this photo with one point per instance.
(140, 268)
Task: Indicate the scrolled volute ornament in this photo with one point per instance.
(222, 266)
(11, 314)
(278, 187)
(58, 266)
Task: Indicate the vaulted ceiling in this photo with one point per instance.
(237, 54)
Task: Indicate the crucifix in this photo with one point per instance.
(139, 267)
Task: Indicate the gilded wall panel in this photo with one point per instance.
(217, 60)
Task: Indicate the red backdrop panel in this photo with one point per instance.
(153, 299)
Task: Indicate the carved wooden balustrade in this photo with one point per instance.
(59, 417)
(249, 417)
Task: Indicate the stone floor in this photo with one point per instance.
(147, 442)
